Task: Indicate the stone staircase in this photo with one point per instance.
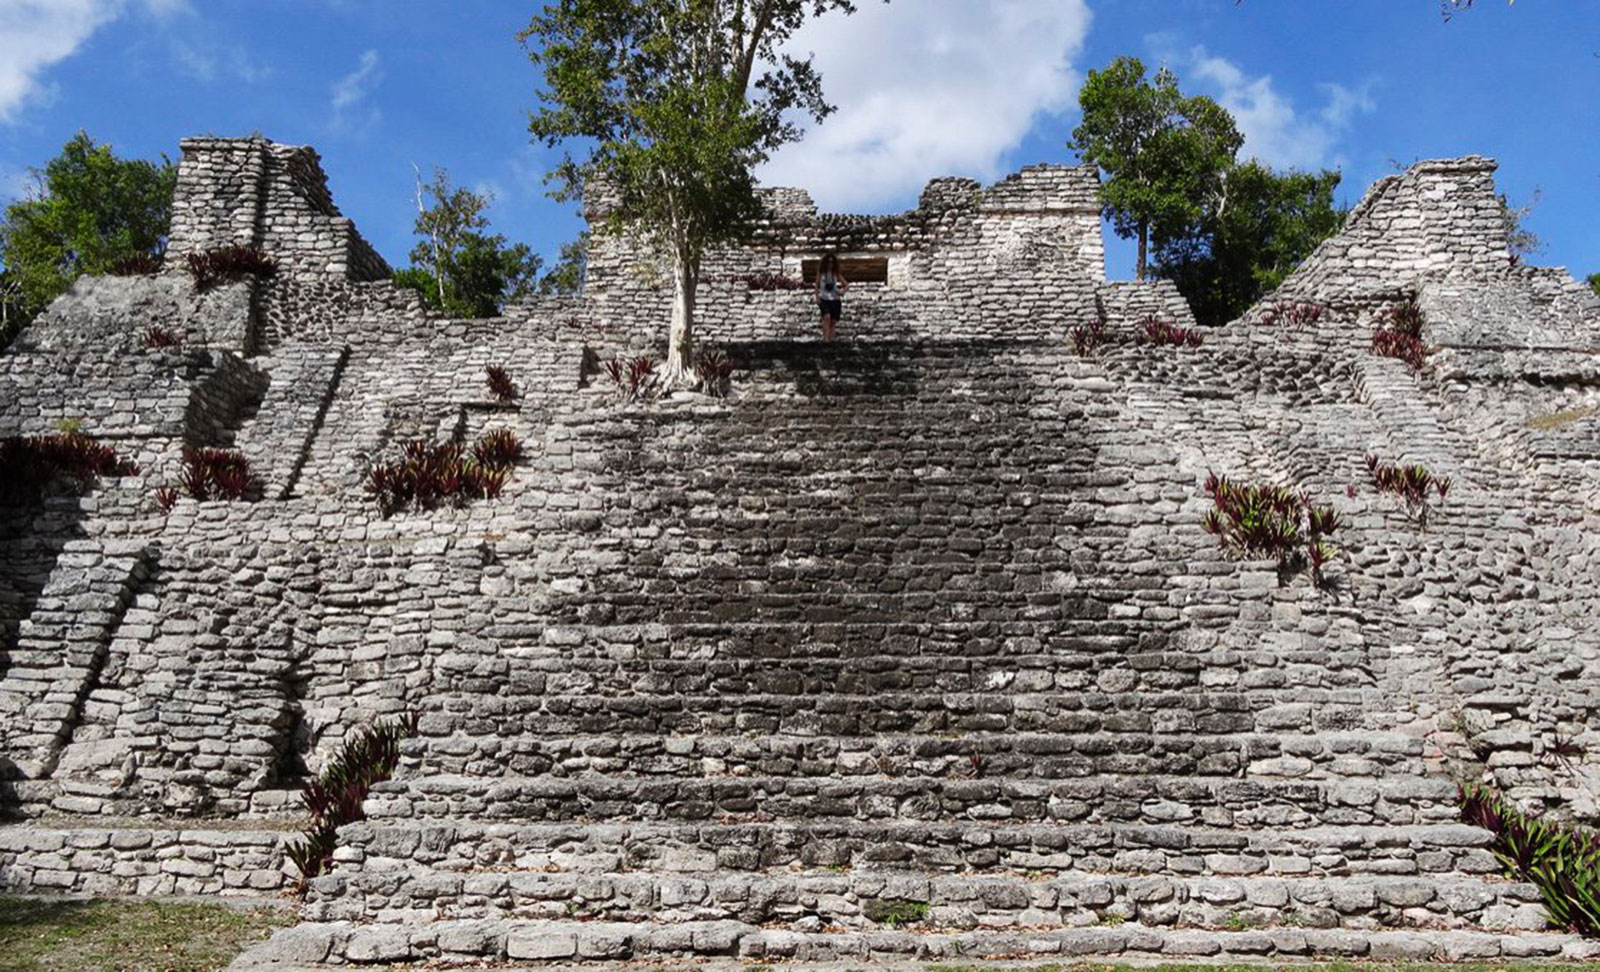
(909, 651)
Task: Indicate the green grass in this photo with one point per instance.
(56, 935)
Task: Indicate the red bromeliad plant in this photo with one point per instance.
(500, 384)
(335, 796)
(429, 474)
(1294, 313)
(634, 378)
(1413, 484)
(137, 265)
(715, 370)
(766, 280)
(1262, 520)
(213, 474)
(1086, 338)
(31, 464)
(229, 263)
(498, 448)
(1158, 333)
(1399, 334)
(157, 337)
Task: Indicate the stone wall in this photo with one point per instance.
(919, 629)
(1023, 257)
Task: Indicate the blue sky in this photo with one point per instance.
(924, 88)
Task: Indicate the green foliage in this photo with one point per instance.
(1163, 154)
(1262, 225)
(89, 211)
(1594, 283)
(460, 268)
(1561, 860)
(1262, 520)
(660, 102)
(334, 797)
(566, 277)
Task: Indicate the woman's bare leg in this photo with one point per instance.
(827, 327)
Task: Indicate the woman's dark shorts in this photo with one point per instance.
(832, 308)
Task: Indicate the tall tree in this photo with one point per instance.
(1262, 225)
(669, 105)
(457, 265)
(1163, 154)
(88, 210)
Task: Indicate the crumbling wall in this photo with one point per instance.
(1439, 218)
(1023, 257)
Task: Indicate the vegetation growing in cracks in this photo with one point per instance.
(31, 464)
(334, 796)
(1413, 484)
(500, 385)
(767, 280)
(139, 264)
(1399, 334)
(1293, 313)
(157, 337)
(1561, 860)
(1158, 333)
(228, 263)
(1087, 337)
(634, 378)
(715, 371)
(208, 474)
(1262, 520)
(428, 474)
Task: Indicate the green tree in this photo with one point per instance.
(1594, 283)
(1262, 225)
(669, 105)
(1163, 154)
(89, 209)
(457, 265)
(566, 277)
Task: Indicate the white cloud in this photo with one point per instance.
(351, 90)
(936, 87)
(36, 34)
(1275, 132)
(232, 61)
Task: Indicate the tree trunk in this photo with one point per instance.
(680, 347)
(1144, 244)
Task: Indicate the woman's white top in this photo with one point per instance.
(830, 286)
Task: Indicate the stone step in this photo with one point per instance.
(1157, 799)
(496, 746)
(1107, 654)
(481, 672)
(109, 856)
(324, 944)
(1183, 847)
(866, 900)
(516, 715)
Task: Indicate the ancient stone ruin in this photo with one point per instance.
(913, 645)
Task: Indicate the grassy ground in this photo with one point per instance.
(63, 935)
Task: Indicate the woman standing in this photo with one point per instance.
(830, 291)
